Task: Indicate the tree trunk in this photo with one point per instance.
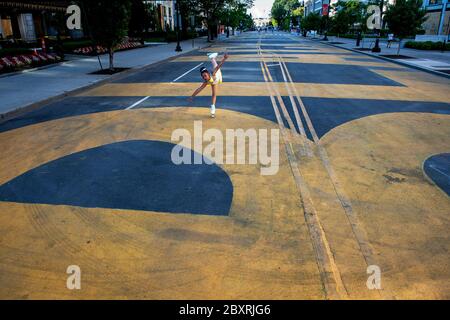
(111, 59)
(214, 32)
(209, 34)
(399, 44)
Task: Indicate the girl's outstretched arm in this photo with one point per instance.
(196, 92)
(225, 57)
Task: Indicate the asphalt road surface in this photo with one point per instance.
(363, 182)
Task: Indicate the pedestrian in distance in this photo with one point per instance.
(390, 39)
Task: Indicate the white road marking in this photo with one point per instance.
(137, 103)
(186, 73)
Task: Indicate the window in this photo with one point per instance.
(6, 28)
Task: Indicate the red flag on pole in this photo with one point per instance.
(325, 9)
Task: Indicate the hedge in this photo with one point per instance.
(427, 45)
(70, 46)
(351, 36)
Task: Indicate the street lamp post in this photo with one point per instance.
(376, 47)
(178, 48)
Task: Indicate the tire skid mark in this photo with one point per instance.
(358, 230)
(42, 224)
(330, 277)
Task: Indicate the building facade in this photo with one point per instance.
(315, 6)
(438, 15)
(261, 22)
(166, 13)
(30, 20)
(438, 18)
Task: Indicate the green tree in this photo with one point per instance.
(274, 22)
(248, 22)
(324, 24)
(108, 22)
(405, 18)
(234, 14)
(348, 14)
(311, 22)
(297, 14)
(210, 10)
(285, 12)
(140, 19)
(279, 12)
(188, 9)
(340, 22)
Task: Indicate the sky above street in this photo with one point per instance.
(261, 9)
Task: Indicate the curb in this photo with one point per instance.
(437, 73)
(15, 73)
(36, 105)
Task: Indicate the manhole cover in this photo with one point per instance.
(362, 49)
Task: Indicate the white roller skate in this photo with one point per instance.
(213, 55)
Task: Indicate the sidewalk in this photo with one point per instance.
(424, 59)
(20, 90)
